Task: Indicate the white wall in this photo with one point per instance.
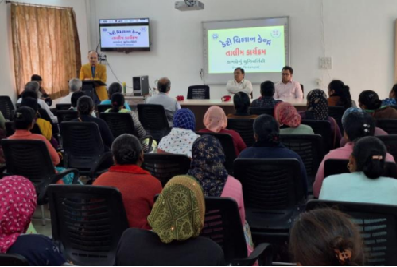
(7, 83)
(359, 36)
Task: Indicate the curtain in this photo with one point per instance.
(45, 42)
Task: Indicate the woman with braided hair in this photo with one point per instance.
(138, 188)
(365, 182)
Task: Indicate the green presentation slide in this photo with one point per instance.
(255, 49)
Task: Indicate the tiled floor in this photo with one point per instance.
(37, 222)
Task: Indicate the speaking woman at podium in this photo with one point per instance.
(95, 71)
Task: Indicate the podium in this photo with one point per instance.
(89, 89)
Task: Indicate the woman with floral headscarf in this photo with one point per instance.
(289, 120)
(182, 135)
(215, 121)
(317, 109)
(18, 203)
(208, 168)
(177, 219)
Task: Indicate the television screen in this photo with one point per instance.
(124, 35)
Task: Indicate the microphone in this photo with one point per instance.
(93, 71)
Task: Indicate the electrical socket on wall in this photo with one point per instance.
(326, 63)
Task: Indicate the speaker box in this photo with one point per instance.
(141, 85)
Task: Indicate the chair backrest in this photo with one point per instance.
(270, 184)
(31, 159)
(322, 128)
(13, 260)
(82, 143)
(198, 92)
(389, 126)
(227, 143)
(390, 142)
(10, 128)
(309, 147)
(166, 166)
(377, 224)
(60, 106)
(245, 127)
(337, 113)
(222, 224)
(337, 166)
(88, 221)
(154, 120)
(66, 115)
(260, 111)
(6, 107)
(119, 123)
(103, 108)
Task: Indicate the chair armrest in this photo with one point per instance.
(263, 253)
(60, 175)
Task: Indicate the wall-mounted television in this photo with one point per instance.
(124, 35)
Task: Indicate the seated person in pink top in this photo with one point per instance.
(207, 167)
(288, 88)
(215, 121)
(24, 120)
(356, 125)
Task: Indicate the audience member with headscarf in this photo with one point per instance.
(137, 186)
(317, 109)
(357, 125)
(19, 202)
(369, 101)
(176, 219)
(85, 106)
(215, 121)
(366, 166)
(208, 168)
(182, 135)
(268, 146)
(118, 106)
(289, 120)
(378, 131)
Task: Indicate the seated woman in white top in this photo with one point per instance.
(239, 84)
(182, 136)
(364, 183)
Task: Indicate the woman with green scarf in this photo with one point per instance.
(177, 219)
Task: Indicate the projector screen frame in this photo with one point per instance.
(255, 78)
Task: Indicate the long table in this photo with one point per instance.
(199, 107)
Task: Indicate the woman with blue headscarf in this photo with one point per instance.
(182, 135)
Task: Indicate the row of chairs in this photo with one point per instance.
(89, 221)
(84, 223)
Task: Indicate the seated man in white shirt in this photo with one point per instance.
(170, 104)
(35, 86)
(74, 86)
(239, 84)
(288, 88)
